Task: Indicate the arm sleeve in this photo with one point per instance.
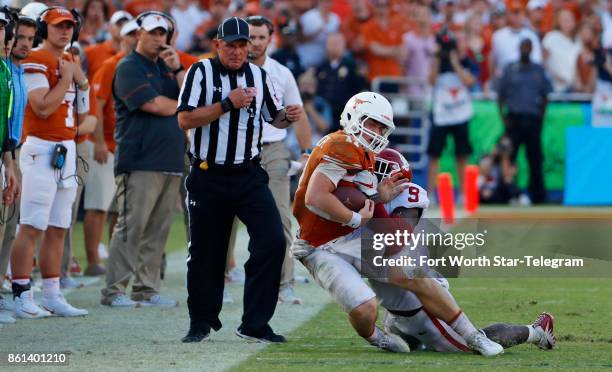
(36, 81)
(192, 92)
(132, 87)
(271, 105)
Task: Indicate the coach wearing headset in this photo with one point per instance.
(148, 164)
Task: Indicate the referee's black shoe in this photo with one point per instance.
(197, 333)
(266, 336)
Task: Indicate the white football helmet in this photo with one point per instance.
(358, 109)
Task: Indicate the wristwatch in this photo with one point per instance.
(227, 105)
(83, 85)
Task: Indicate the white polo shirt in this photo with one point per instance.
(285, 90)
(506, 42)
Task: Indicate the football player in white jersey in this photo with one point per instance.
(404, 313)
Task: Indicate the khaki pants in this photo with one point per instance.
(84, 149)
(146, 202)
(276, 160)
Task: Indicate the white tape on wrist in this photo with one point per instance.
(355, 221)
(82, 101)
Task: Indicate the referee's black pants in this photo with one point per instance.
(527, 129)
(214, 197)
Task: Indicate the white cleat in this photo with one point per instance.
(26, 308)
(287, 296)
(394, 344)
(481, 344)
(6, 305)
(159, 301)
(58, 306)
(6, 318)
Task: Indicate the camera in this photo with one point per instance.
(447, 42)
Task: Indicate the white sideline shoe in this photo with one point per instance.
(26, 308)
(6, 305)
(287, 296)
(121, 301)
(478, 342)
(60, 307)
(159, 301)
(227, 297)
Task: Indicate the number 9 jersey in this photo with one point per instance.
(42, 71)
(414, 196)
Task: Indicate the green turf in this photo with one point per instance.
(582, 309)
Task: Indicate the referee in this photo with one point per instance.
(223, 102)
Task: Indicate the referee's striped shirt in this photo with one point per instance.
(236, 135)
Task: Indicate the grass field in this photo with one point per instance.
(320, 337)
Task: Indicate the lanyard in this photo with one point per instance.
(9, 82)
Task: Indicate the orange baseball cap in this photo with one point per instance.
(58, 15)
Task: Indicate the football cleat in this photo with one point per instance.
(481, 344)
(393, 343)
(58, 306)
(544, 325)
(26, 308)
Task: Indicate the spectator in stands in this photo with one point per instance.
(203, 45)
(315, 25)
(98, 53)
(506, 40)
(352, 27)
(317, 109)
(535, 15)
(188, 17)
(561, 52)
(95, 15)
(496, 181)
(420, 46)
(586, 72)
(383, 40)
(522, 99)
(337, 77)
(135, 7)
(287, 54)
(451, 105)
(219, 10)
(477, 48)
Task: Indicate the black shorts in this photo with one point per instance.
(437, 139)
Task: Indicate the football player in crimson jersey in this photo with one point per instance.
(328, 243)
(404, 313)
(54, 82)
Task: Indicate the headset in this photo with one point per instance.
(172, 23)
(42, 28)
(9, 29)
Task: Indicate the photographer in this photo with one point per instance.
(451, 104)
(496, 182)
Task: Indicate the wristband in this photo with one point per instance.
(355, 221)
(83, 85)
(227, 105)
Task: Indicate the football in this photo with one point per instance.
(351, 197)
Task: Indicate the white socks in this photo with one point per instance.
(51, 288)
(462, 325)
(376, 336)
(533, 335)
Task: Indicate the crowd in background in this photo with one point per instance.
(337, 48)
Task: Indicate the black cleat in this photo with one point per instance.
(267, 336)
(196, 334)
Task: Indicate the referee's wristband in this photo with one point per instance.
(355, 221)
(178, 70)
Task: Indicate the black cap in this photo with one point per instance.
(233, 29)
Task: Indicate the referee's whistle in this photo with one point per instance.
(204, 165)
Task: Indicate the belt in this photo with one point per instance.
(204, 165)
(269, 143)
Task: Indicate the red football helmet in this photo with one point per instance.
(389, 161)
